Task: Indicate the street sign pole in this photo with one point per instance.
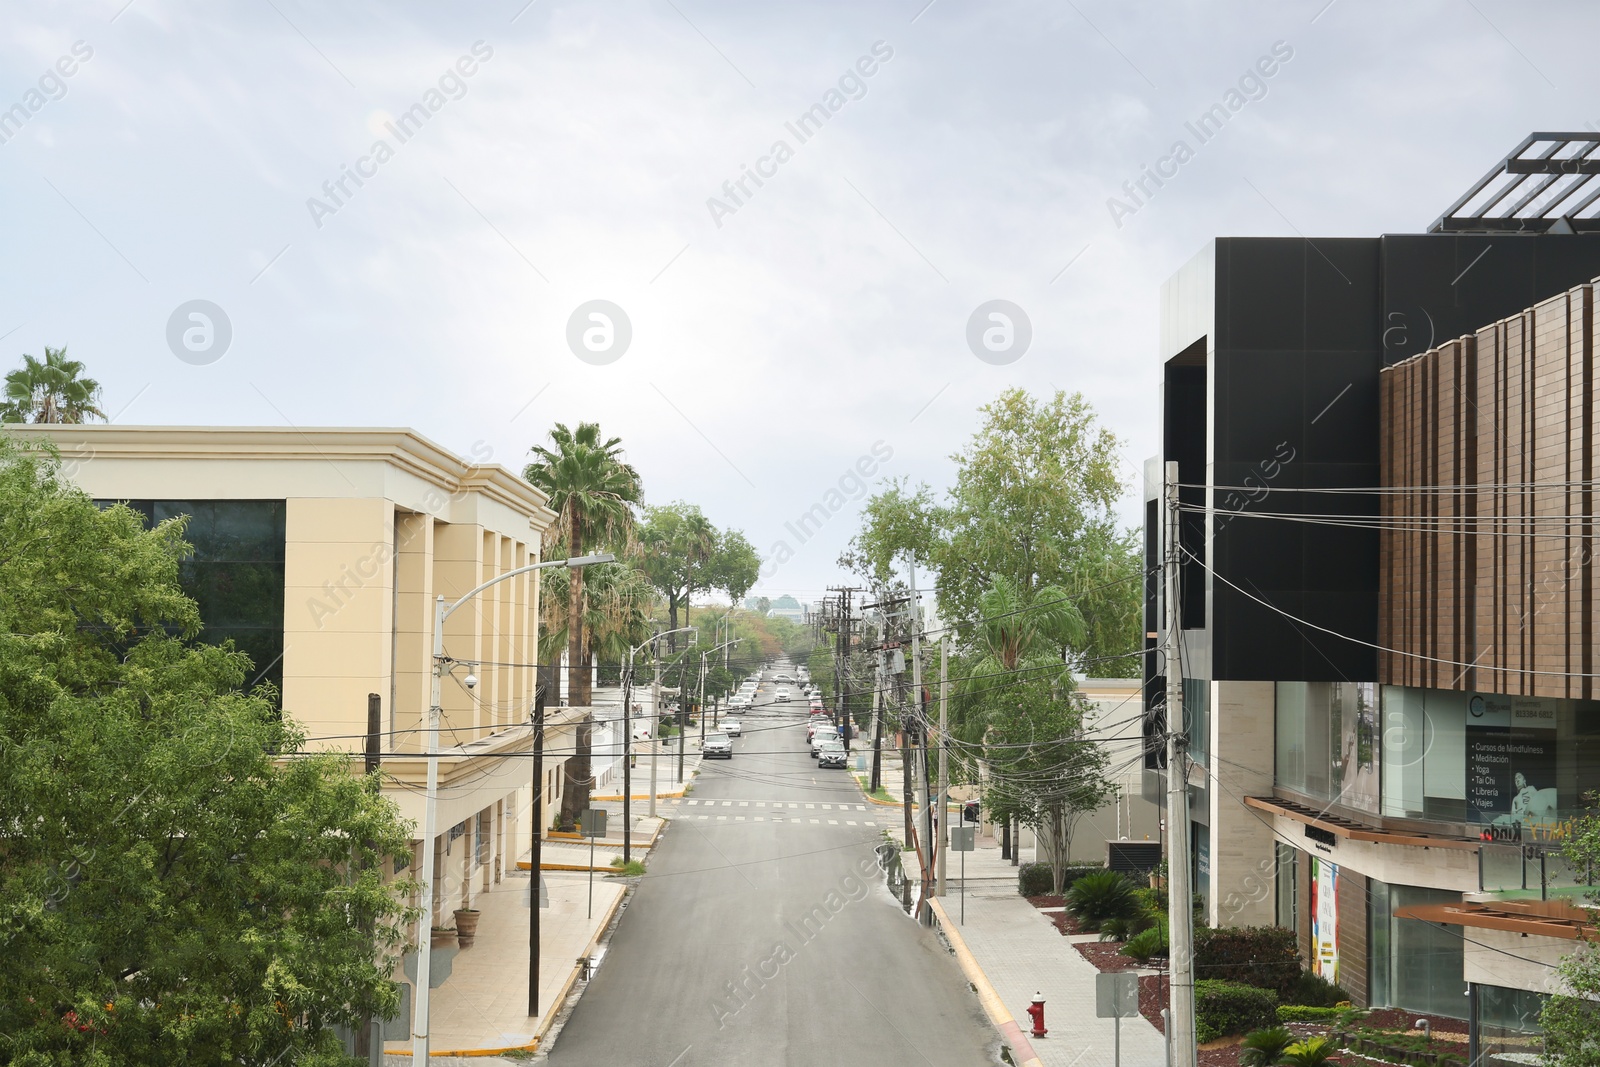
(592, 823)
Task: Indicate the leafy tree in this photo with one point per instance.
(1033, 502)
(593, 491)
(181, 882)
(50, 390)
(1042, 767)
(684, 552)
(1571, 1021)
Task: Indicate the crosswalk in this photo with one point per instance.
(771, 804)
(782, 820)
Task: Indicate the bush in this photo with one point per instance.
(1103, 895)
(1311, 1052)
(1224, 1008)
(1265, 1048)
(1301, 1013)
(1146, 945)
(1034, 879)
(1262, 956)
(1131, 927)
(1315, 991)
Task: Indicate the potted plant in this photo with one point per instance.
(443, 936)
(467, 926)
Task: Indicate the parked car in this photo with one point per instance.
(732, 727)
(717, 746)
(822, 736)
(830, 754)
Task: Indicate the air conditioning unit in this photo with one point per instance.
(1133, 855)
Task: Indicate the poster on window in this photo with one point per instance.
(1511, 763)
(1325, 918)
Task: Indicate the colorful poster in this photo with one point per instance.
(1325, 918)
(1511, 761)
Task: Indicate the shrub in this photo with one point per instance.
(1263, 1048)
(1312, 1052)
(1301, 1013)
(1035, 879)
(1224, 1008)
(1262, 956)
(1127, 929)
(1103, 895)
(1315, 991)
(1146, 945)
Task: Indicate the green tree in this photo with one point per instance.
(1033, 501)
(735, 565)
(593, 492)
(1571, 1020)
(50, 390)
(678, 543)
(181, 882)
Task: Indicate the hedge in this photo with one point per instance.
(1225, 1008)
(1302, 1013)
(1263, 956)
(1034, 879)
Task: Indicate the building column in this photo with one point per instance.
(1241, 755)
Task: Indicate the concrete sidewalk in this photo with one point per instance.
(668, 784)
(1021, 952)
(483, 1005)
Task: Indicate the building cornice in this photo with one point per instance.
(402, 448)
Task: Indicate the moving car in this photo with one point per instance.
(733, 728)
(830, 754)
(783, 696)
(822, 736)
(717, 746)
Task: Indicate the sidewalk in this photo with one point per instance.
(1020, 952)
(668, 784)
(482, 1006)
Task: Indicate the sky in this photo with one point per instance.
(284, 213)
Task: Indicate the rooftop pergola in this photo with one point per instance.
(1546, 185)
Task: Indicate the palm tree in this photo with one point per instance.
(592, 492)
(50, 390)
(1265, 1048)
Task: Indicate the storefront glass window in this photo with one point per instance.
(1328, 742)
(1414, 965)
(1517, 766)
(1508, 1026)
(1286, 899)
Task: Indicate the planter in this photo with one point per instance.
(443, 937)
(467, 926)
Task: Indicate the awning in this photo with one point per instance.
(1352, 830)
(1546, 918)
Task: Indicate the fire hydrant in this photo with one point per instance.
(1036, 1013)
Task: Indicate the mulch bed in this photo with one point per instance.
(1046, 900)
(1403, 1021)
(1107, 956)
(1065, 923)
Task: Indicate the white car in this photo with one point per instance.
(783, 695)
(732, 727)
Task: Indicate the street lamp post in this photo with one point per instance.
(627, 743)
(430, 819)
(703, 657)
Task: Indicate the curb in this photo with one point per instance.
(993, 1006)
(869, 798)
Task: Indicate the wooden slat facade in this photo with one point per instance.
(1488, 577)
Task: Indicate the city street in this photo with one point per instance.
(761, 942)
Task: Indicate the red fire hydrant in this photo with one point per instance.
(1036, 1013)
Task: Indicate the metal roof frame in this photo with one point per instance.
(1546, 185)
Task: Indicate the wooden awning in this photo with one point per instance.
(1354, 831)
(1546, 918)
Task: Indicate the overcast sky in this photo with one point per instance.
(563, 152)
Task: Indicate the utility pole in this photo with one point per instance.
(841, 662)
(1180, 918)
(944, 757)
(876, 781)
(924, 855)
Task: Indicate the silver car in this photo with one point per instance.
(830, 754)
(717, 746)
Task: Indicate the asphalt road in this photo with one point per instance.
(763, 943)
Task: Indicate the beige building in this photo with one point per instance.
(320, 552)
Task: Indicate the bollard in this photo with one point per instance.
(1036, 1013)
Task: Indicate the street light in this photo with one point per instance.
(441, 612)
(627, 742)
(703, 657)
